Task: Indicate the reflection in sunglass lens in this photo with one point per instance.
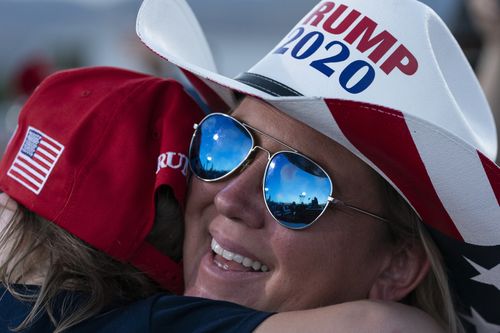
(220, 145)
(296, 190)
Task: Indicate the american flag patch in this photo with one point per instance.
(35, 160)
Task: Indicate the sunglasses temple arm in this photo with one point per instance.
(338, 202)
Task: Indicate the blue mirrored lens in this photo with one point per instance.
(220, 145)
(296, 190)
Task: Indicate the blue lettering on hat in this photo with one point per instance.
(364, 31)
(355, 78)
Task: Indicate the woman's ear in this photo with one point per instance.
(406, 267)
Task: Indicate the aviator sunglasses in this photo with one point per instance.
(297, 191)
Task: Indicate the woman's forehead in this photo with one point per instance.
(339, 162)
(270, 120)
(298, 135)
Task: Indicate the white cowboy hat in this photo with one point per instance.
(387, 80)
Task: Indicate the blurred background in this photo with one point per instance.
(38, 37)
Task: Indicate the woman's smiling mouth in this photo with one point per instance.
(228, 260)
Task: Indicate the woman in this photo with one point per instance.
(78, 249)
(399, 134)
(347, 255)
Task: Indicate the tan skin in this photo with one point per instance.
(358, 316)
(345, 256)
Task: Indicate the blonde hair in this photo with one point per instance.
(433, 295)
(71, 265)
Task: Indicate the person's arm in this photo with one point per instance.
(193, 314)
(359, 316)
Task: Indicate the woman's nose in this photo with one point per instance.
(241, 199)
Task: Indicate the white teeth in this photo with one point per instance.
(256, 265)
(228, 255)
(247, 262)
(216, 247)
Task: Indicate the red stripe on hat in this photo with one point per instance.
(382, 135)
(210, 97)
(28, 173)
(27, 182)
(45, 156)
(492, 172)
(42, 162)
(55, 146)
(33, 164)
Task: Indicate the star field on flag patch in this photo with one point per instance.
(35, 160)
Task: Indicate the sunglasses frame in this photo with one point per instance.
(331, 200)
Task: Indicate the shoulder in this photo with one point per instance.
(358, 316)
(123, 318)
(193, 314)
(13, 312)
(169, 313)
(395, 316)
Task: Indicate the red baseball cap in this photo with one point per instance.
(92, 147)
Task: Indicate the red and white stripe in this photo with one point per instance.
(442, 177)
(33, 172)
(461, 182)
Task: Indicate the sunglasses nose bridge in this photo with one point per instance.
(263, 149)
(251, 157)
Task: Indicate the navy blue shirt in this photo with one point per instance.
(159, 313)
